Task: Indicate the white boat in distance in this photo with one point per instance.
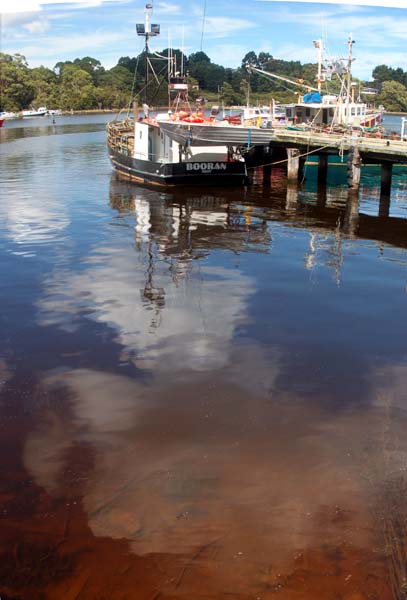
(40, 112)
(8, 115)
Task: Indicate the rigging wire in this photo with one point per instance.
(133, 86)
(203, 23)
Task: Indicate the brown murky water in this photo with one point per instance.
(203, 393)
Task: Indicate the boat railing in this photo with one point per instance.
(120, 136)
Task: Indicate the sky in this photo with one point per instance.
(47, 32)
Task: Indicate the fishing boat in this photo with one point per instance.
(314, 108)
(141, 149)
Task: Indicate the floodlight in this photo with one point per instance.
(140, 29)
(155, 29)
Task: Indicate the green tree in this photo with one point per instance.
(198, 57)
(60, 66)
(250, 59)
(383, 73)
(91, 66)
(245, 90)
(16, 87)
(228, 95)
(128, 63)
(115, 88)
(45, 83)
(77, 91)
(393, 96)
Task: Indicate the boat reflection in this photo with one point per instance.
(186, 224)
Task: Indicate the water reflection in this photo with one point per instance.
(219, 460)
(50, 126)
(203, 391)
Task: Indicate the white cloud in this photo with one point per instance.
(228, 52)
(10, 6)
(37, 26)
(180, 339)
(223, 26)
(374, 3)
(62, 48)
(167, 8)
(366, 29)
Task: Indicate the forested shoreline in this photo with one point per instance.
(84, 84)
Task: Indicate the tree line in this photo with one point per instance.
(84, 84)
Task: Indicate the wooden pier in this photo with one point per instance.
(356, 149)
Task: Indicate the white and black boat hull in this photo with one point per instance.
(189, 173)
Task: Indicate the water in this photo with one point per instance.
(202, 391)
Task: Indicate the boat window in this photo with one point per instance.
(308, 112)
(332, 112)
(289, 112)
(353, 111)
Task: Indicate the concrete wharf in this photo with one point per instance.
(359, 150)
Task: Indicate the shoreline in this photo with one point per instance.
(100, 111)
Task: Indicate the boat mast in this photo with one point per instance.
(144, 30)
(147, 10)
(318, 44)
(349, 77)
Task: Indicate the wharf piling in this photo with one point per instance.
(385, 183)
(359, 150)
(293, 164)
(384, 205)
(322, 169)
(354, 168)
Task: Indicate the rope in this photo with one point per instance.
(285, 160)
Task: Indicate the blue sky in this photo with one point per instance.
(46, 32)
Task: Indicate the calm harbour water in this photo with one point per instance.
(203, 392)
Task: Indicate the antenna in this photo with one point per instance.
(182, 50)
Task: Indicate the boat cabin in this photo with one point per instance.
(152, 144)
(330, 110)
(258, 116)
